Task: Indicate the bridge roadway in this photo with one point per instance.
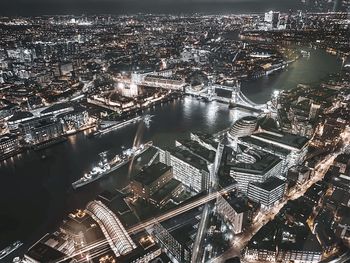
(237, 99)
(177, 211)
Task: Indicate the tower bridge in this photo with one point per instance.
(234, 96)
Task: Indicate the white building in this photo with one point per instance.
(188, 168)
(257, 170)
(267, 193)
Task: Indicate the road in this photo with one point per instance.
(239, 242)
(197, 249)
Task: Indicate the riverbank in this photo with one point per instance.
(35, 195)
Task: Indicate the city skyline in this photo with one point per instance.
(69, 7)
(179, 138)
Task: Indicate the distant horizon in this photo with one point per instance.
(130, 7)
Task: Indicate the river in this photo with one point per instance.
(36, 194)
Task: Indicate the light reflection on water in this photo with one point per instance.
(35, 194)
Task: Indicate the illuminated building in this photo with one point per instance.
(267, 193)
(255, 167)
(115, 233)
(235, 210)
(151, 179)
(243, 127)
(188, 168)
(272, 19)
(129, 90)
(74, 120)
(171, 83)
(205, 140)
(174, 248)
(289, 147)
(40, 253)
(41, 129)
(58, 108)
(9, 145)
(17, 118)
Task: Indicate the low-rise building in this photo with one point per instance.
(151, 179)
(290, 148)
(41, 129)
(258, 169)
(235, 210)
(267, 193)
(9, 145)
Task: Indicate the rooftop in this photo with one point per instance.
(114, 200)
(261, 166)
(264, 145)
(165, 190)
(206, 138)
(43, 253)
(270, 184)
(239, 204)
(20, 115)
(7, 136)
(57, 107)
(151, 173)
(189, 158)
(283, 139)
(198, 149)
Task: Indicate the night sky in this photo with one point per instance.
(41, 7)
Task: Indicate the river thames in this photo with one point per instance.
(36, 193)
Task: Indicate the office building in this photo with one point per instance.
(151, 179)
(234, 210)
(74, 120)
(243, 127)
(254, 167)
(188, 168)
(272, 19)
(267, 193)
(17, 118)
(174, 243)
(290, 148)
(206, 140)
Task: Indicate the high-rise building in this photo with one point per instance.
(314, 110)
(272, 19)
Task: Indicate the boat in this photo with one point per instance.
(8, 250)
(147, 120)
(305, 54)
(105, 167)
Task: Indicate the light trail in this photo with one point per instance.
(180, 210)
(143, 225)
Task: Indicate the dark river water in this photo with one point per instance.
(36, 194)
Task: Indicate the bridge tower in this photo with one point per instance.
(235, 92)
(211, 89)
